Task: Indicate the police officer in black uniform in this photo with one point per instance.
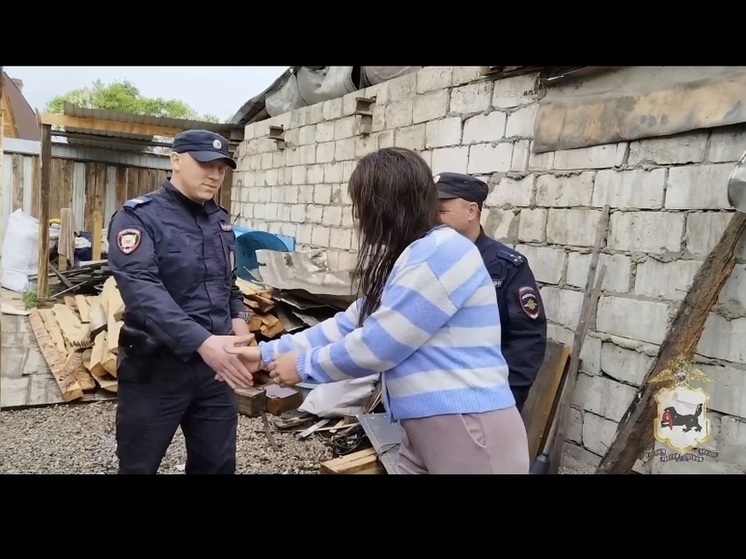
(524, 324)
(172, 255)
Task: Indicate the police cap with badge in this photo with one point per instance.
(204, 146)
(459, 185)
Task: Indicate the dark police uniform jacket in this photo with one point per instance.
(524, 324)
(173, 261)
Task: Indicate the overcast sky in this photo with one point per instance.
(219, 90)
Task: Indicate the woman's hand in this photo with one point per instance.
(284, 370)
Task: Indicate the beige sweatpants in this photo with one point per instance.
(486, 443)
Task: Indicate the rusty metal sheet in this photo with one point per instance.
(644, 106)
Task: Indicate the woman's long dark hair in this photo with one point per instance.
(395, 202)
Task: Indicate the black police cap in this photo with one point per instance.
(459, 185)
(203, 145)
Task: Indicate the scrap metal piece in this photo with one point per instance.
(384, 436)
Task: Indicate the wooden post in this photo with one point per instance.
(590, 299)
(98, 226)
(635, 432)
(45, 159)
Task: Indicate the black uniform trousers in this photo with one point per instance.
(156, 395)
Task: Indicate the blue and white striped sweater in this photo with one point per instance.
(435, 336)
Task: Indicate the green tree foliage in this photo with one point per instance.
(125, 97)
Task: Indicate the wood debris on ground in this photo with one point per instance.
(77, 336)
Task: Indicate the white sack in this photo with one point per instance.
(20, 251)
(339, 399)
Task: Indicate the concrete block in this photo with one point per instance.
(577, 460)
(733, 294)
(466, 74)
(630, 189)
(514, 92)
(486, 158)
(402, 87)
(303, 233)
(454, 160)
(646, 321)
(307, 155)
(315, 113)
(618, 271)
(291, 193)
(305, 194)
(562, 306)
(472, 98)
(666, 280)
(430, 106)
(322, 194)
(698, 187)
(654, 232)
(521, 122)
(540, 161)
(547, 263)
(598, 433)
(444, 132)
(324, 132)
(624, 365)
(298, 213)
(299, 117)
(398, 114)
(727, 144)
(325, 152)
(582, 231)
(603, 396)
(344, 128)
(501, 225)
(344, 149)
(340, 238)
(267, 159)
(347, 260)
(512, 192)
(320, 236)
(595, 157)
(732, 441)
(332, 217)
(532, 226)
(484, 128)
(411, 137)
(723, 339)
(386, 139)
(307, 135)
(590, 355)
(432, 78)
(315, 174)
(521, 155)
(574, 431)
(271, 177)
(349, 105)
(689, 147)
(565, 191)
(366, 144)
(332, 109)
(703, 232)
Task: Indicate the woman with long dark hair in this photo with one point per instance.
(426, 318)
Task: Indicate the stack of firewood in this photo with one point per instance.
(78, 339)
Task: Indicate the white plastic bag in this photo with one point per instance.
(20, 251)
(339, 399)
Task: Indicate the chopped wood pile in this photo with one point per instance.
(78, 339)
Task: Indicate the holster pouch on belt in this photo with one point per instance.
(137, 342)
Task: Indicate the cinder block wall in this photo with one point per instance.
(668, 210)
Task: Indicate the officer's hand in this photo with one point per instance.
(284, 369)
(250, 356)
(227, 366)
(240, 327)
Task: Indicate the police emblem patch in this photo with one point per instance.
(529, 301)
(128, 240)
(226, 226)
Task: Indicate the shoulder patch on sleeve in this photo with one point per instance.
(128, 240)
(135, 202)
(513, 256)
(529, 301)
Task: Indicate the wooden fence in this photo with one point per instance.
(83, 179)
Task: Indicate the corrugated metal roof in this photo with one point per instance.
(121, 141)
(117, 116)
